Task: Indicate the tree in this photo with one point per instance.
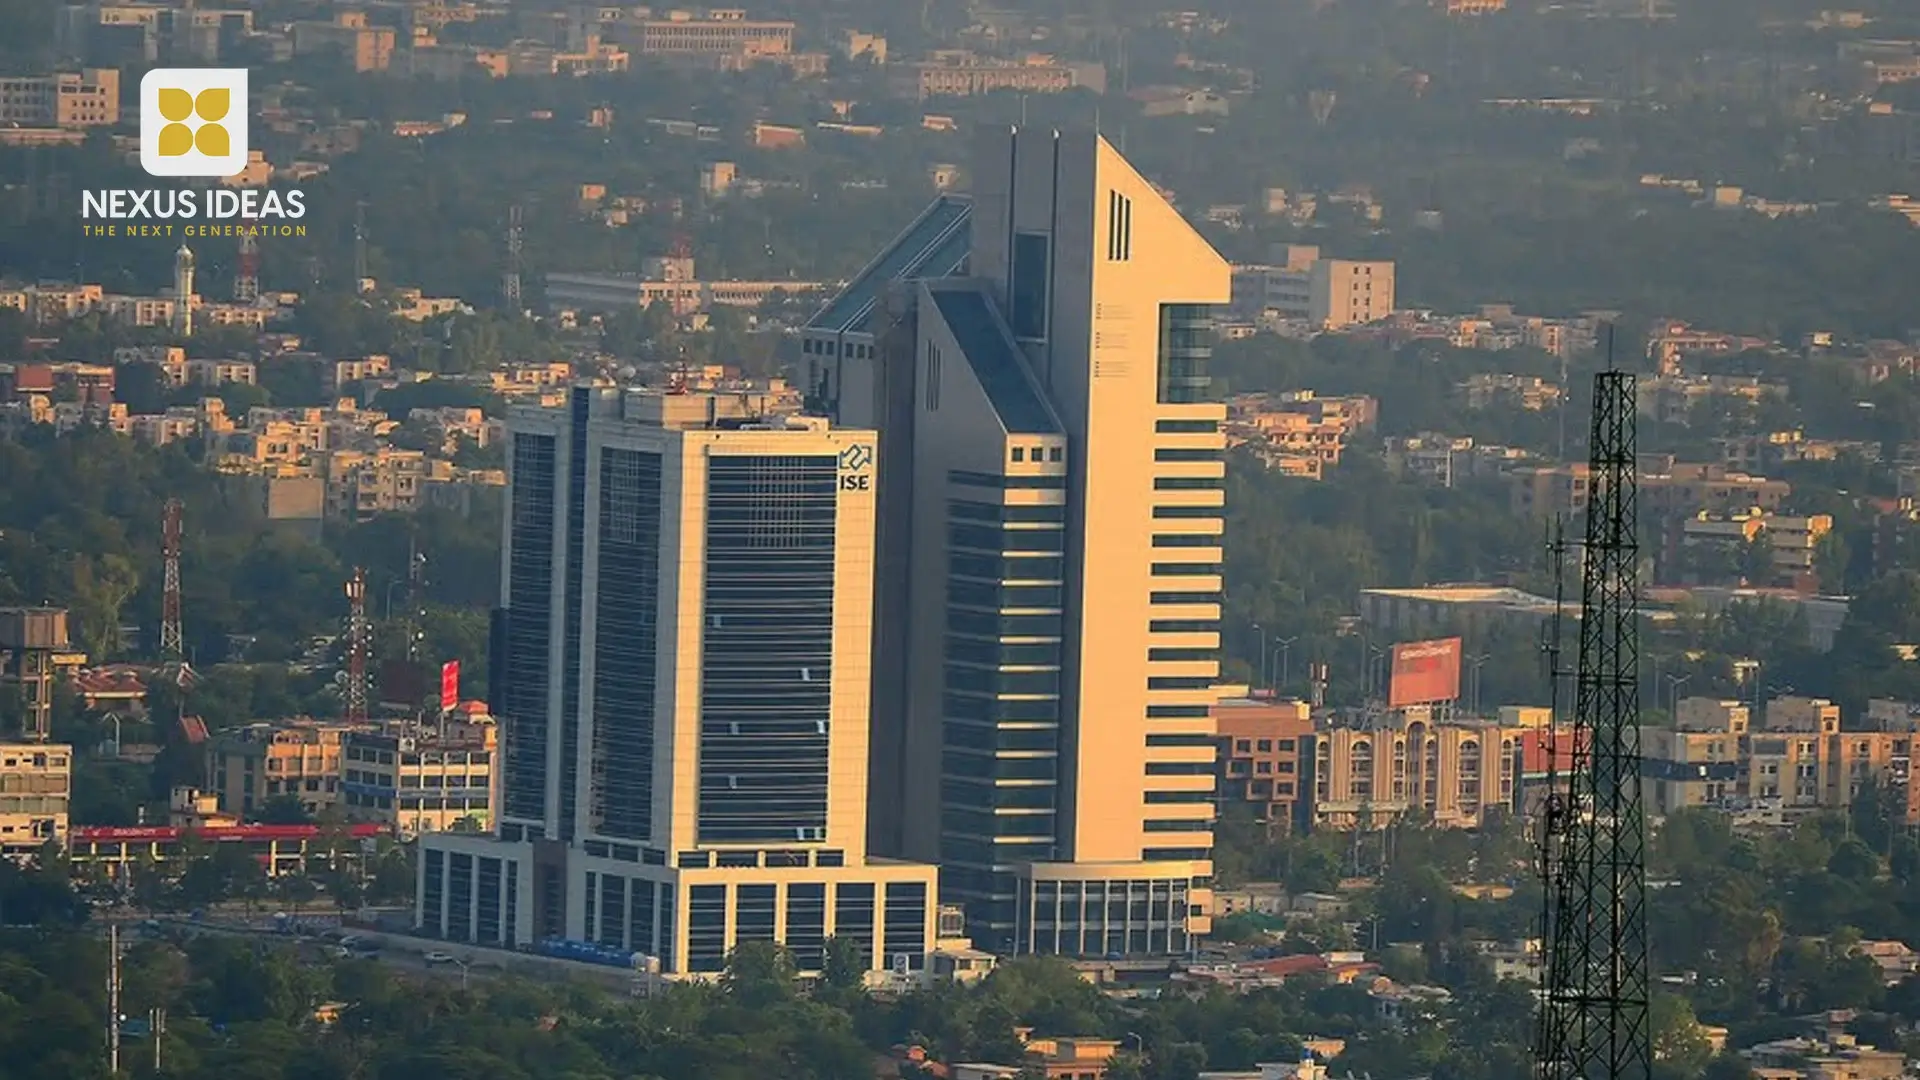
(1680, 1046)
(759, 974)
(283, 810)
(845, 967)
(101, 589)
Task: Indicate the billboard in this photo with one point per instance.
(1424, 672)
(449, 685)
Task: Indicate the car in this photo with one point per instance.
(438, 957)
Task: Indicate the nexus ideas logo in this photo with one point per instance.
(193, 121)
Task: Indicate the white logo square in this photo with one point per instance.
(193, 121)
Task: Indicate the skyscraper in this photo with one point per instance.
(1052, 484)
(682, 668)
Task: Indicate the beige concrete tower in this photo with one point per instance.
(1062, 591)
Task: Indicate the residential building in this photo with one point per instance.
(721, 32)
(1328, 294)
(359, 44)
(1529, 392)
(421, 778)
(36, 790)
(682, 670)
(1696, 761)
(1055, 557)
(143, 34)
(1760, 548)
(960, 73)
(1366, 778)
(1298, 428)
(1673, 399)
(1667, 489)
(73, 99)
(1265, 759)
(298, 758)
(686, 295)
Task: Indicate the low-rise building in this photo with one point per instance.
(960, 73)
(1264, 758)
(36, 791)
(298, 758)
(1329, 294)
(75, 99)
(435, 778)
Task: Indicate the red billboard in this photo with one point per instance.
(449, 685)
(1424, 672)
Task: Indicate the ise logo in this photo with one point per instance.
(855, 462)
(193, 121)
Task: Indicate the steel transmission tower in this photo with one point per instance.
(510, 281)
(353, 681)
(246, 275)
(172, 644)
(1593, 1022)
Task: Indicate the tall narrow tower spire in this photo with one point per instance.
(1594, 1009)
(183, 291)
(171, 640)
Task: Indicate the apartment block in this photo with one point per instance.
(720, 38)
(1329, 294)
(359, 44)
(1800, 759)
(1668, 489)
(1298, 432)
(434, 777)
(300, 758)
(1763, 549)
(683, 668)
(1052, 477)
(87, 98)
(1265, 758)
(1367, 778)
(959, 73)
(36, 791)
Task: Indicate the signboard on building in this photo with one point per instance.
(856, 468)
(449, 685)
(1424, 672)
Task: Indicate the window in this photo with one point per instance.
(1186, 427)
(1119, 227)
(1056, 454)
(1019, 453)
(933, 378)
(1028, 290)
(1186, 346)
(1189, 483)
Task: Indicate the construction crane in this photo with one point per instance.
(1593, 1019)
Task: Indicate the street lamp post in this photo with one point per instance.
(1476, 663)
(1674, 683)
(1282, 656)
(1260, 634)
